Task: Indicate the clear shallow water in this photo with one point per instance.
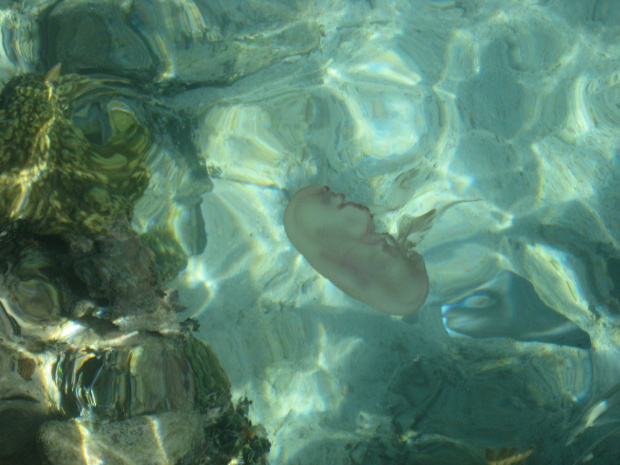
(404, 107)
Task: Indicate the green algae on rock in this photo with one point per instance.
(51, 175)
(212, 383)
(168, 255)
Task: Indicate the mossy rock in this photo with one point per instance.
(212, 383)
(51, 175)
(168, 255)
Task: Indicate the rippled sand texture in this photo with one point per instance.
(405, 107)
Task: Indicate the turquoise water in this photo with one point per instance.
(508, 109)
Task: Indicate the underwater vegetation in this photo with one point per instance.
(94, 364)
(169, 257)
(51, 174)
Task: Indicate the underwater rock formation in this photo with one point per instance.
(207, 42)
(51, 174)
(90, 346)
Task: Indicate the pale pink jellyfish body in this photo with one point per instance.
(338, 239)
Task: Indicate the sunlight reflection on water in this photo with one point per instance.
(404, 107)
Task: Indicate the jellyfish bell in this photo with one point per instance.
(339, 241)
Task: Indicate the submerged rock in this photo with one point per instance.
(84, 374)
(170, 258)
(51, 174)
(159, 439)
(94, 363)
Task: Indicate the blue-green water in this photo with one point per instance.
(511, 107)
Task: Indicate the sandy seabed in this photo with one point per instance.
(406, 107)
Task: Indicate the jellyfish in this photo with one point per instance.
(339, 241)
